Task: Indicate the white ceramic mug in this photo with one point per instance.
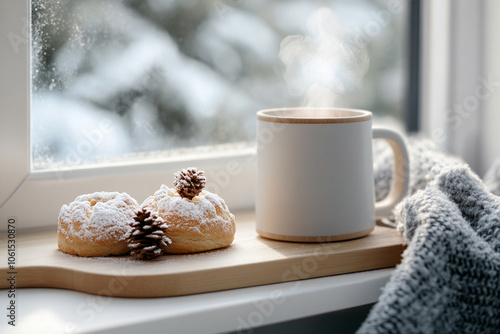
(315, 174)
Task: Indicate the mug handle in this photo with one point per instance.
(400, 175)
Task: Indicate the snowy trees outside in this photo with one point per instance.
(120, 79)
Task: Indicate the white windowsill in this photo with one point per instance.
(230, 175)
(63, 311)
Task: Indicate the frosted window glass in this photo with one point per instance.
(125, 80)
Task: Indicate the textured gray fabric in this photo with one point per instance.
(449, 278)
(492, 178)
(427, 160)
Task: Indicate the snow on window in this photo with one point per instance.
(121, 80)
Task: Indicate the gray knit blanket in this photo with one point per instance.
(449, 277)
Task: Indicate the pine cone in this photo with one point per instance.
(189, 182)
(147, 238)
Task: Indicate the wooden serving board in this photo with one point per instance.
(251, 260)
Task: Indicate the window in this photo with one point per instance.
(126, 92)
(124, 80)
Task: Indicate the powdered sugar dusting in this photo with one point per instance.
(99, 216)
(202, 209)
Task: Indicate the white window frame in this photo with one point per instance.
(459, 54)
(435, 69)
(34, 199)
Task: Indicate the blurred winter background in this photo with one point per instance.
(122, 80)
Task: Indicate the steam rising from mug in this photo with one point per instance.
(325, 64)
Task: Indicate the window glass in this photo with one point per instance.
(126, 80)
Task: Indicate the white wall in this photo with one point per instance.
(461, 69)
(490, 144)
